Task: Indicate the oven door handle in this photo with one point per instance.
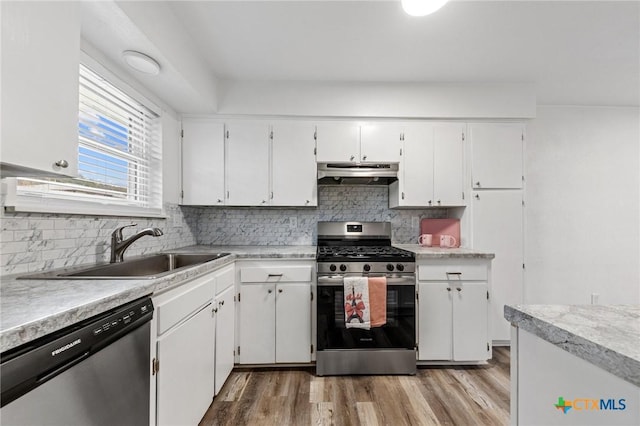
(338, 280)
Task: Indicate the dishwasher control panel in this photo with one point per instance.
(117, 321)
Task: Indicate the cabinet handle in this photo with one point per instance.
(219, 200)
(429, 202)
(221, 303)
(364, 158)
(264, 201)
(275, 275)
(438, 202)
(403, 195)
(269, 291)
(478, 184)
(459, 288)
(215, 310)
(279, 290)
(62, 163)
(306, 201)
(477, 197)
(448, 288)
(352, 157)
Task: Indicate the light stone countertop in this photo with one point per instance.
(257, 252)
(444, 253)
(30, 309)
(607, 336)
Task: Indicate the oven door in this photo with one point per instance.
(398, 332)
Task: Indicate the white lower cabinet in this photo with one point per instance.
(453, 311)
(225, 318)
(194, 332)
(185, 353)
(275, 312)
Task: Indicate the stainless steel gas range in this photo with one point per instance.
(363, 249)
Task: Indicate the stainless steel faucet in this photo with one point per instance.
(119, 245)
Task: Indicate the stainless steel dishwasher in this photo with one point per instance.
(95, 372)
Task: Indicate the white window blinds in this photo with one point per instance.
(119, 151)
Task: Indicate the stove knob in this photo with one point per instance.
(343, 267)
(366, 267)
(400, 267)
(332, 267)
(389, 267)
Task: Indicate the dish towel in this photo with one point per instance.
(378, 301)
(356, 302)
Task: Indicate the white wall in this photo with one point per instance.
(360, 99)
(171, 170)
(582, 218)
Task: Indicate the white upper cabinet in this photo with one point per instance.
(448, 164)
(354, 142)
(294, 180)
(338, 142)
(247, 163)
(496, 155)
(431, 168)
(40, 49)
(380, 142)
(414, 186)
(202, 162)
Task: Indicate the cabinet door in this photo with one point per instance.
(470, 325)
(202, 162)
(185, 381)
(257, 324)
(294, 170)
(498, 228)
(40, 47)
(416, 172)
(338, 142)
(380, 142)
(448, 170)
(247, 163)
(496, 155)
(434, 321)
(293, 322)
(225, 336)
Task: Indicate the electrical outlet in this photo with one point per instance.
(415, 222)
(293, 222)
(595, 297)
(177, 221)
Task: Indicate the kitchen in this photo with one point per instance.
(577, 108)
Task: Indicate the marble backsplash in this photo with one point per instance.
(297, 226)
(33, 242)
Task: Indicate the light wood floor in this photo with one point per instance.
(477, 395)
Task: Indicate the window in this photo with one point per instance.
(119, 156)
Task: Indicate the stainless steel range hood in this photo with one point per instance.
(357, 174)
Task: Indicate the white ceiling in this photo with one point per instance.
(583, 53)
(575, 52)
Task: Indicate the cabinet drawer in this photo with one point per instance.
(275, 274)
(176, 305)
(453, 271)
(224, 279)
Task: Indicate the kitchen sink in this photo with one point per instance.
(152, 266)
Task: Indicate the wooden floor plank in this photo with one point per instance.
(458, 395)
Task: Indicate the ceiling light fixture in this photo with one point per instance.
(141, 62)
(422, 7)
